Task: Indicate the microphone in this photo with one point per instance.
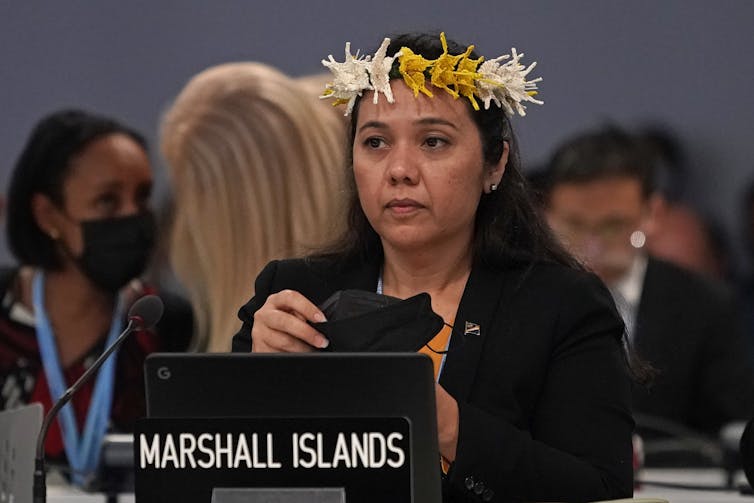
(144, 314)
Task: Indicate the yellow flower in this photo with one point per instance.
(443, 74)
(501, 81)
(412, 68)
(466, 76)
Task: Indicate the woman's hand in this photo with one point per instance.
(447, 423)
(280, 325)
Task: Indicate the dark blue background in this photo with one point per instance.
(685, 63)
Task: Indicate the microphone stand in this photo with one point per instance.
(40, 482)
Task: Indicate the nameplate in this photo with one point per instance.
(185, 459)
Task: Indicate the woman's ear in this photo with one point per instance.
(46, 215)
(494, 174)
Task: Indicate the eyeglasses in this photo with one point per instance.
(611, 230)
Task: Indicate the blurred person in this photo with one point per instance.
(669, 162)
(438, 204)
(747, 219)
(254, 159)
(80, 226)
(686, 326)
(745, 281)
(680, 234)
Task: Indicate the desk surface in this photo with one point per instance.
(709, 478)
(67, 494)
(699, 477)
(693, 496)
(59, 491)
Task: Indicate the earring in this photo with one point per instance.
(54, 234)
(638, 239)
(493, 187)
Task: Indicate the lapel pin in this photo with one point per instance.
(471, 329)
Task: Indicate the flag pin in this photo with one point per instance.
(471, 329)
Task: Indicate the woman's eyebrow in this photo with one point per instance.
(373, 124)
(436, 121)
(422, 121)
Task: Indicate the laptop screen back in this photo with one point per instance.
(315, 385)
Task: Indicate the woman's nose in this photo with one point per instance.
(402, 166)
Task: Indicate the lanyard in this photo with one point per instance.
(82, 451)
(447, 345)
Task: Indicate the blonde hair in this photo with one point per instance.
(255, 162)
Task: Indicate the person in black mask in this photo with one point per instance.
(79, 223)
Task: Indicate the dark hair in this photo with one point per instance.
(596, 155)
(507, 224)
(42, 168)
(668, 158)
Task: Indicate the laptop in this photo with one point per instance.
(19, 429)
(305, 385)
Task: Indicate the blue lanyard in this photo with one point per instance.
(83, 452)
(447, 345)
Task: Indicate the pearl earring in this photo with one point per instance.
(638, 239)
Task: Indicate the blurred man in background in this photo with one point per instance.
(598, 198)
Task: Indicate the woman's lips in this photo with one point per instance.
(403, 206)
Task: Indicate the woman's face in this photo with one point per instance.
(110, 178)
(419, 169)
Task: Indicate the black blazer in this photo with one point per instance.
(689, 329)
(543, 391)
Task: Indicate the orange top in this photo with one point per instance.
(439, 343)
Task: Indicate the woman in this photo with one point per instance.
(80, 226)
(533, 393)
(249, 147)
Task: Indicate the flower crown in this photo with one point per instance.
(504, 84)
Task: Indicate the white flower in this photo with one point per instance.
(379, 71)
(351, 78)
(506, 84)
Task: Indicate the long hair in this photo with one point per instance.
(255, 163)
(507, 225)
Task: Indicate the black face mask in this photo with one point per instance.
(366, 321)
(116, 250)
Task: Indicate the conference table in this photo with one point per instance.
(708, 478)
(702, 486)
(66, 494)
